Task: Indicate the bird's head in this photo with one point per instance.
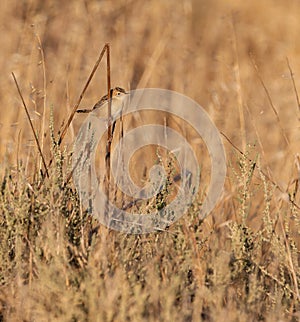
(118, 92)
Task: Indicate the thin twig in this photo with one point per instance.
(294, 83)
(64, 131)
(267, 176)
(31, 125)
(109, 130)
(105, 49)
(269, 99)
(289, 256)
(44, 89)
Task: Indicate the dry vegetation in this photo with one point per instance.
(242, 262)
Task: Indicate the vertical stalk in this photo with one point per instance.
(109, 129)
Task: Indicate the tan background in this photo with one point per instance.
(202, 49)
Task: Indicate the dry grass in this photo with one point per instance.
(241, 262)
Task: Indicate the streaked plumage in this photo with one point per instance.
(100, 109)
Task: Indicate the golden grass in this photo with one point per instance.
(242, 262)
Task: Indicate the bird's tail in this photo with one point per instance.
(84, 111)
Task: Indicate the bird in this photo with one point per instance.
(100, 109)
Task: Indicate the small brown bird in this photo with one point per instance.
(117, 96)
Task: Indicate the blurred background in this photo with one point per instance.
(240, 61)
(229, 56)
